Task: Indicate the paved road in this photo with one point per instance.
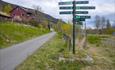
(14, 55)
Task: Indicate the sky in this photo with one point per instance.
(51, 7)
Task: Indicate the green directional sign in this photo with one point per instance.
(80, 19)
(79, 23)
(70, 2)
(81, 2)
(66, 12)
(77, 12)
(86, 17)
(78, 7)
(85, 7)
(67, 7)
(66, 3)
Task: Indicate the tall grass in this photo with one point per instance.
(12, 33)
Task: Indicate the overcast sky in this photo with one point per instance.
(103, 7)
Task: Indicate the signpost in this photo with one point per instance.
(86, 17)
(76, 18)
(79, 19)
(76, 12)
(76, 2)
(77, 7)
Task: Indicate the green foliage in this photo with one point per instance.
(7, 8)
(93, 39)
(11, 33)
(67, 29)
(110, 31)
(33, 23)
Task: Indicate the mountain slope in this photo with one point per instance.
(43, 16)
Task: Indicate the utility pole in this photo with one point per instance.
(74, 22)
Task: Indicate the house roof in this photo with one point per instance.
(24, 9)
(4, 14)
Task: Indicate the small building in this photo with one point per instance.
(21, 14)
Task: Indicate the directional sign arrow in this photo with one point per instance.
(80, 19)
(77, 12)
(78, 7)
(86, 17)
(79, 23)
(70, 2)
(85, 7)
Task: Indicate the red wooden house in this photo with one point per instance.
(21, 14)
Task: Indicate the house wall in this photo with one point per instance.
(19, 14)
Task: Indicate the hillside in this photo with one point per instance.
(43, 16)
(12, 33)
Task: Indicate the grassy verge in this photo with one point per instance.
(47, 58)
(12, 33)
(103, 55)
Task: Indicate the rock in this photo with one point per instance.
(61, 59)
(89, 59)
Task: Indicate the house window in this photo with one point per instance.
(13, 14)
(22, 14)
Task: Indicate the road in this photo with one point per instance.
(15, 55)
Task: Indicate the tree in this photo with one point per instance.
(37, 9)
(59, 25)
(109, 29)
(37, 14)
(7, 8)
(108, 25)
(97, 23)
(103, 22)
(67, 28)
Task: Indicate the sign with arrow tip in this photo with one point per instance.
(77, 7)
(86, 17)
(77, 12)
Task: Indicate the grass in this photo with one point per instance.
(12, 33)
(93, 39)
(104, 55)
(47, 58)
(104, 59)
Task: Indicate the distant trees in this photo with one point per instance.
(109, 29)
(7, 8)
(36, 20)
(103, 25)
(97, 23)
(37, 8)
(108, 25)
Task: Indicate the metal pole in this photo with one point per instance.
(85, 36)
(74, 22)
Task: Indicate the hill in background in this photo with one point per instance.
(43, 16)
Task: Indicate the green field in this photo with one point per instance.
(12, 33)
